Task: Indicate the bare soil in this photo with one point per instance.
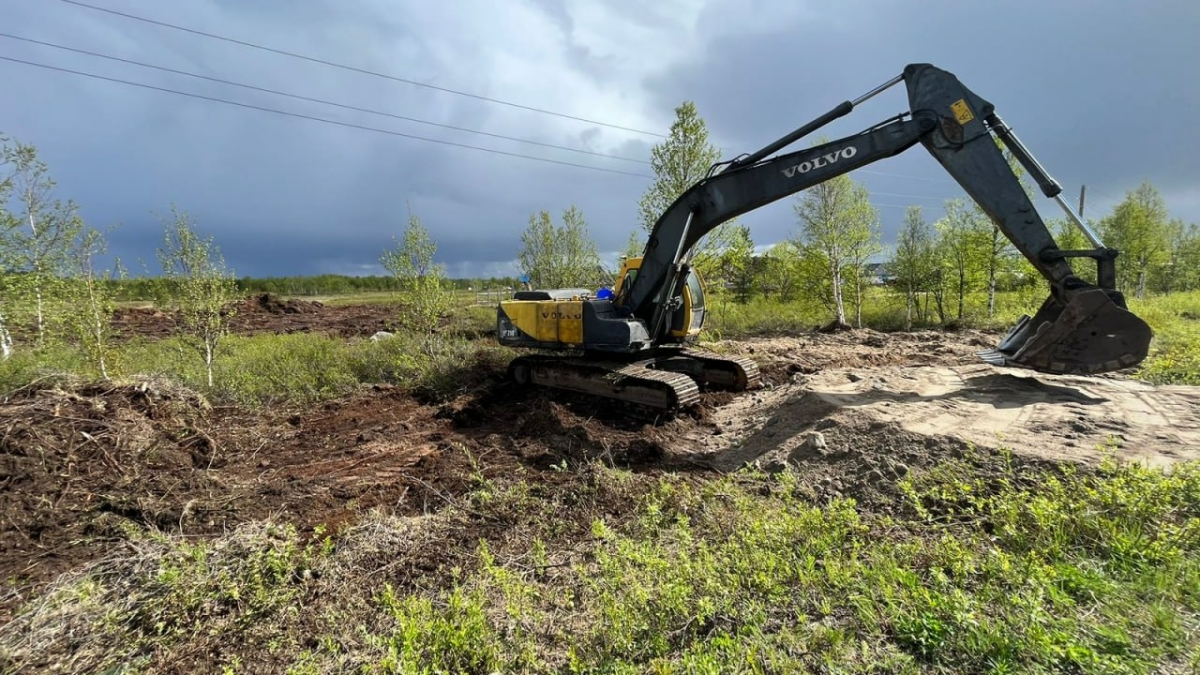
(851, 411)
(268, 313)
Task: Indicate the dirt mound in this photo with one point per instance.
(548, 431)
(78, 465)
(147, 322)
(71, 459)
(273, 304)
(905, 414)
(781, 359)
(1057, 417)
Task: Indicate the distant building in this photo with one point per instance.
(879, 274)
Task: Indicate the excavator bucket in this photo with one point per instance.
(1091, 333)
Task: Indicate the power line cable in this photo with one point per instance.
(346, 124)
(320, 119)
(900, 175)
(314, 100)
(893, 194)
(364, 71)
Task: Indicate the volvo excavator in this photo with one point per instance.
(638, 345)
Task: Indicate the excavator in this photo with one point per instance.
(637, 345)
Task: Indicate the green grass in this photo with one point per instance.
(300, 368)
(292, 368)
(288, 369)
(1175, 352)
(883, 309)
(1033, 571)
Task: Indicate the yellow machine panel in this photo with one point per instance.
(570, 322)
(548, 321)
(523, 314)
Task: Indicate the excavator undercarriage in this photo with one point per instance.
(665, 379)
(637, 345)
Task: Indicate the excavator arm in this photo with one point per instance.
(1080, 328)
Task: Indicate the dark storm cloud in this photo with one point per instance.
(1100, 91)
(1102, 95)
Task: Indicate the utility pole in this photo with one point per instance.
(1082, 194)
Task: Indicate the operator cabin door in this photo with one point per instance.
(689, 317)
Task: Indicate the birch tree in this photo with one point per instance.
(914, 261)
(635, 246)
(837, 226)
(6, 224)
(961, 237)
(37, 230)
(865, 242)
(93, 298)
(781, 270)
(197, 288)
(559, 256)
(1181, 269)
(425, 295)
(680, 161)
(739, 266)
(1138, 228)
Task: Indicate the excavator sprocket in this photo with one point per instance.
(1090, 334)
(667, 381)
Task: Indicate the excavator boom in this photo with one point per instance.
(630, 344)
(1081, 328)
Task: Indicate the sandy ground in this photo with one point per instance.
(1059, 418)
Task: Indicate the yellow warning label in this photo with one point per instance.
(962, 112)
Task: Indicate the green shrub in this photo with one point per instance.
(435, 366)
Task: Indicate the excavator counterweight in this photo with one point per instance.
(634, 345)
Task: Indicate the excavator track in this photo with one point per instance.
(668, 381)
(736, 373)
(634, 382)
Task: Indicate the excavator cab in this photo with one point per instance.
(687, 318)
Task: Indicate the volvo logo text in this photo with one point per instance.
(818, 162)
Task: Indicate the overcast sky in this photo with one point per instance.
(1103, 92)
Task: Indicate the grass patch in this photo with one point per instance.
(1175, 353)
(303, 368)
(293, 368)
(1036, 570)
